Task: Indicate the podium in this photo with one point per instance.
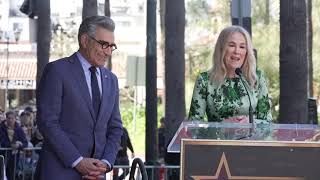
(212, 151)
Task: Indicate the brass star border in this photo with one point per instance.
(224, 163)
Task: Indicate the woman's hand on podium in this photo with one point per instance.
(237, 119)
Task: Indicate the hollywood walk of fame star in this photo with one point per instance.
(223, 173)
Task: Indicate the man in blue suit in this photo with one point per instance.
(78, 108)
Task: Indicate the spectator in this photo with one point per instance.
(122, 156)
(32, 113)
(28, 109)
(2, 115)
(27, 164)
(12, 135)
(36, 138)
(27, 124)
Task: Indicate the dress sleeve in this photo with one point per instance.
(198, 103)
(263, 109)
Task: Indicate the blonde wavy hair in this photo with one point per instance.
(218, 71)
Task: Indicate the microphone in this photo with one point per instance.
(238, 71)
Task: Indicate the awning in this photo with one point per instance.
(20, 74)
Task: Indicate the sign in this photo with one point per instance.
(136, 71)
(258, 160)
(18, 84)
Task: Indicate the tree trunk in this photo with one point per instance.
(151, 86)
(293, 62)
(174, 66)
(43, 36)
(107, 12)
(89, 8)
(309, 44)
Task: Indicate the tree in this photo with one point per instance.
(174, 65)
(107, 12)
(151, 86)
(89, 8)
(43, 36)
(266, 45)
(309, 45)
(261, 11)
(204, 22)
(201, 24)
(293, 62)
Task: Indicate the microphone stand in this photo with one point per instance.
(239, 73)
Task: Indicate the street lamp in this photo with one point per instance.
(7, 34)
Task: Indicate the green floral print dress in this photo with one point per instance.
(212, 103)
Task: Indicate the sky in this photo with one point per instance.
(64, 7)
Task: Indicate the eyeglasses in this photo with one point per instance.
(104, 44)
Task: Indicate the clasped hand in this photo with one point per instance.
(16, 145)
(92, 169)
(237, 119)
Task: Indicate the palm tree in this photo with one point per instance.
(89, 8)
(151, 85)
(43, 36)
(293, 62)
(107, 12)
(174, 65)
(309, 40)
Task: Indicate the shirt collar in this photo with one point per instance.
(85, 64)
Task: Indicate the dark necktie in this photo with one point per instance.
(95, 91)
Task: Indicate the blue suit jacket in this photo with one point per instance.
(66, 119)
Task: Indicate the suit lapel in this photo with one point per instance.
(81, 82)
(105, 82)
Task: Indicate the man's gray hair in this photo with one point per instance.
(89, 25)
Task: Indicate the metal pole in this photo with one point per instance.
(241, 13)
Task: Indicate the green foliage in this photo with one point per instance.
(198, 11)
(199, 59)
(136, 126)
(268, 58)
(204, 21)
(265, 12)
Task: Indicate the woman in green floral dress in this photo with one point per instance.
(219, 95)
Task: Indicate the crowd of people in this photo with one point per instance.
(18, 137)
